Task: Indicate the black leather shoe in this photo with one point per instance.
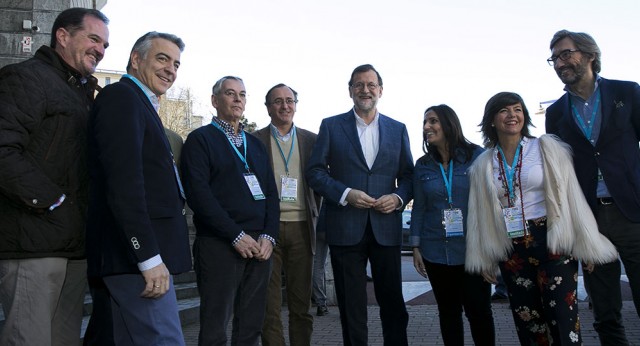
(498, 296)
(322, 310)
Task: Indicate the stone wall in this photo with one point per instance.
(14, 36)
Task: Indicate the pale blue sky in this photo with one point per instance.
(428, 52)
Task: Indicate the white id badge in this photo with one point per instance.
(452, 221)
(254, 186)
(289, 191)
(513, 221)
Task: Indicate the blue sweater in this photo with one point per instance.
(216, 190)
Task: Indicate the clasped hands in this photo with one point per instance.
(385, 204)
(248, 247)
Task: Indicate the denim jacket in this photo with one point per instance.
(430, 199)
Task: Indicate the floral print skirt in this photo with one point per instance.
(542, 291)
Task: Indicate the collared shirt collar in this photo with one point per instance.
(360, 122)
(229, 131)
(369, 137)
(155, 100)
(597, 83)
(284, 137)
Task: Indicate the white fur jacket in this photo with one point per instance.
(571, 226)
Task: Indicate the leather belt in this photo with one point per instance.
(605, 200)
(539, 222)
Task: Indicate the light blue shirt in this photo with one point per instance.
(153, 98)
(585, 109)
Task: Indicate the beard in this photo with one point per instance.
(366, 105)
(572, 74)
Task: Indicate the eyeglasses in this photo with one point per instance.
(232, 94)
(564, 56)
(360, 86)
(280, 102)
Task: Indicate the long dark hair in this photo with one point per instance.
(452, 131)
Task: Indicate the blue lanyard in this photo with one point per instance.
(510, 170)
(448, 183)
(244, 144)
(293, 143)
(587, 129)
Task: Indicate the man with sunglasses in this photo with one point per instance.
(600, 119)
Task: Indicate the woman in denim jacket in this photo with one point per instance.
(441, 192)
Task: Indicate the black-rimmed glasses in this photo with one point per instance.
(563, 56)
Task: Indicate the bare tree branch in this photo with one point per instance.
(176, 111)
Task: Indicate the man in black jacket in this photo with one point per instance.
(137, 235)
(44, 105)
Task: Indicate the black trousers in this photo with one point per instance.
(454, 290)
(229, 285)
(349, 270)
(603, 284)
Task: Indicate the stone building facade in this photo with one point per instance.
(25, 25)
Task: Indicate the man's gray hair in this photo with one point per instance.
(143, 44)
(216, 87)
(584, 42)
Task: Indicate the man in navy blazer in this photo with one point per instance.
(362, 165)
(600, 119)
(137, 234)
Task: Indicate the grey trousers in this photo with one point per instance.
(42, 301)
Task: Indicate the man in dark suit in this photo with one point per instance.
(231, 189)
(362, 165)
(600, 119)
(137, 234)
(289, 148)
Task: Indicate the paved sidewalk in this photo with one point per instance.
(424, 327)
